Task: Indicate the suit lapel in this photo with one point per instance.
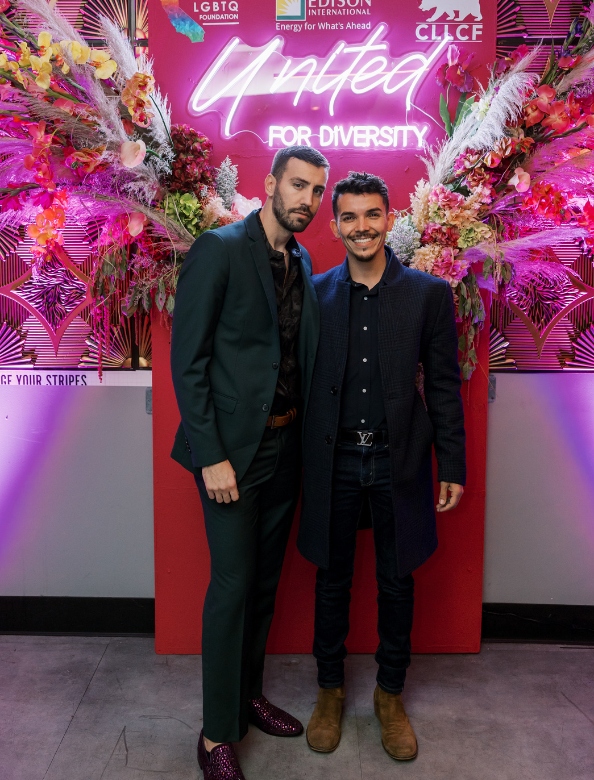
(394, 307)
(262, 263)
(260, 256)
(309, 331)
(338, 314)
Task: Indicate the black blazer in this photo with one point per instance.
(416, 325)
(225, 348)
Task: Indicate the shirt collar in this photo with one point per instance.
(383, 281)
(292, 245)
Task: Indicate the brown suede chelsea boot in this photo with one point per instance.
(398, 737)
(323, 731)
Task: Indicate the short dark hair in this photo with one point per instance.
(360, 184)
(306, 153)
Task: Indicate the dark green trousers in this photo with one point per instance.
(247, 541)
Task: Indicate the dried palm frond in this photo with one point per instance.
(53, 21)
(520, 249)
(576, 75)
(179, 237)
(505, 105)
(572, 174)
(551, 154)
(121, 50)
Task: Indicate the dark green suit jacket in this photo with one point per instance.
(225, 348)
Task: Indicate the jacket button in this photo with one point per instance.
(188, 445)
(275, 365)
(265, 408)
(334, 390)
(328, 439)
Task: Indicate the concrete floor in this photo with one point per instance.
(110, 709)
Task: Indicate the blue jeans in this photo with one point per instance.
(360, 472)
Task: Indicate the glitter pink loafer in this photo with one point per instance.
(221, 763)
(272, 720)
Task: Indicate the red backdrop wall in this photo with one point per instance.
(449, 585)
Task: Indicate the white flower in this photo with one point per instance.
(480, 109)
(243, 206)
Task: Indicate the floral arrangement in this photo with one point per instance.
(513, 177)
(86, 134)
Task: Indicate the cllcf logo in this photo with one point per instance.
(463, 8)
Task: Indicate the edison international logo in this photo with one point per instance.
(290, 10)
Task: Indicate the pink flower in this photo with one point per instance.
(520, 180)
(569, 62)
(449, 266)
(492, 159)
(557, 118)
(440, 234)
(243, 206)
(445, 199)
(572, 106)
(132, 153)
(519, 53)
(532, 113)
(4, 6)
(466, 161)
(454, 72)
(136, 223)
(65, 105)
(545, 95)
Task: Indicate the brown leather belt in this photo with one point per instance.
(280, 420)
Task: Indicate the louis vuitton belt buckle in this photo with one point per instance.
(365, 438)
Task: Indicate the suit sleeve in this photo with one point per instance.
(442, 393)
(198, 302)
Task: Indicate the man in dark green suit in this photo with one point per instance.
(244, 340)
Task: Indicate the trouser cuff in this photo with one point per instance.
(393, 687)
(326, 684)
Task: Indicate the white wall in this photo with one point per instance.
(76, 502)
(540, 490)
(76, 493)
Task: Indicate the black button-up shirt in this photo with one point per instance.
(362, 403)
(288, 286)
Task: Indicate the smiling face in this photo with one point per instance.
(296, 198)
(362, 224)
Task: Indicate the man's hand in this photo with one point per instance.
(219, 480)
(445, 503)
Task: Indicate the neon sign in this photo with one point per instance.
(349, 69)
(361, 136)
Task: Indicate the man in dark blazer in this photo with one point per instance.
(245, 333)
(367, 443)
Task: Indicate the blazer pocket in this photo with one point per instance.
(224, 402)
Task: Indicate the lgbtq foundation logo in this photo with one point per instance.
(290, 10)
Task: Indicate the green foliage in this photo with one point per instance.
(186, 209)
(444, 113)
(472, 312)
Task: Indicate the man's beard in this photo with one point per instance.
(283, 216)
(362, 258)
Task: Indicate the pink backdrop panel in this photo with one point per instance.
(355, 79)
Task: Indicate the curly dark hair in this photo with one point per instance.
(360, 184)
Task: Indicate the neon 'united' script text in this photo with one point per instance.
(356, 68)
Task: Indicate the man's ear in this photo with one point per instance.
(270, 185)
(391, 220)
(334, 228)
